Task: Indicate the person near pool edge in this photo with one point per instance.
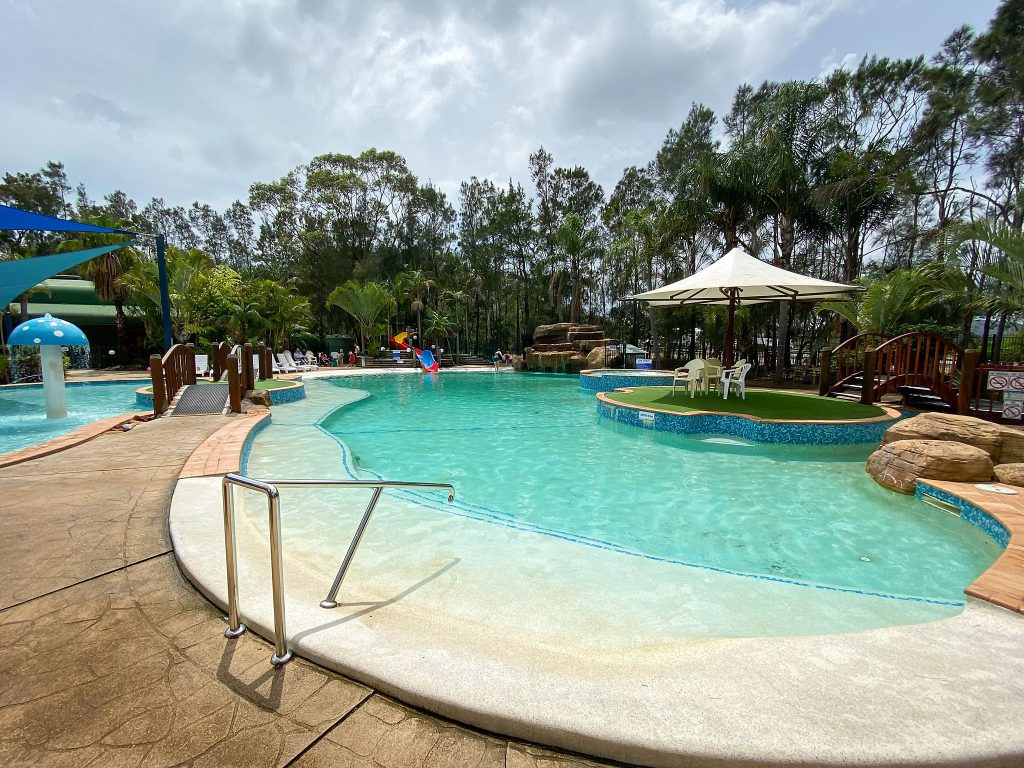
(496, 358)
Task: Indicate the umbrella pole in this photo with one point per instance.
(727, 355)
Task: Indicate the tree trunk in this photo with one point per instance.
(654, 338)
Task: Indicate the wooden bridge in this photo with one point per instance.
(927, 369)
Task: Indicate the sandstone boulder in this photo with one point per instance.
(947, 426)
(259, 397)
(1011, 447)
(533, 360)
(591, 344)
(1011, 474)
(898, 465)
(555, 333)
(600, 357)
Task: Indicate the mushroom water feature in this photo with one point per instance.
(50, 334)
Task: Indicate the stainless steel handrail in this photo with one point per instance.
(282, 655)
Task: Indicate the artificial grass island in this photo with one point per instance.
(760, 403)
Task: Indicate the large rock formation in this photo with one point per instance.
(898, 465)
(600, 357)
(1011, 474)
(569, 348)
(1004, 444)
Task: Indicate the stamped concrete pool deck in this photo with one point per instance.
(111, 658)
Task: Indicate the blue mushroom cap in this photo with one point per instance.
(48, 330)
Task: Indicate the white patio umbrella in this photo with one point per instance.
(737, 279)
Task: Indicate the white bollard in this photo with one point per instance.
(52, 362)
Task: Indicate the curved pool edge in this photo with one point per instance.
(82, 434)
(756, 686)
(293, 392)
(746, 427)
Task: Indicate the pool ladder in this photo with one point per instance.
(270, 488)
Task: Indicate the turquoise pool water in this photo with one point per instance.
(530, 449)
(23, 419)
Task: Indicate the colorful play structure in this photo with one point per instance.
(425, 356)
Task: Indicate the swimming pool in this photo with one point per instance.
(23, 419)
(528, 453)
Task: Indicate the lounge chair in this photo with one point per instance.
(692, 373)
(285, 365)
(736, 377)
(202, 365)
(298, 365)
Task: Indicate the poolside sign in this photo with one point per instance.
(1013, 405)
(646, 418)
(1006, 381)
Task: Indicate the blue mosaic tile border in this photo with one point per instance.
(243, 460)
(606, 382)
(748, 429)
(976, 516)
(289, 395)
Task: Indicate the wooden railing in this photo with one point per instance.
(170, 373)
(219, 360)
(915, 360)
(844, 363)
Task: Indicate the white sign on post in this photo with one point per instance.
(1006, 381)
(1013, 405)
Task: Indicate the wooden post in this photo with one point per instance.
(156, 373)
(867, 386)
(261, 350)
(234, 384)
(247, 369)
(218, 371)
(970, 365)
(825, 377)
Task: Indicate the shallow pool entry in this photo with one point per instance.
(528, 456)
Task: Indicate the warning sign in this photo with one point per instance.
(1012, 412)
(1006, 381)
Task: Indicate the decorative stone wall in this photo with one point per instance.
(564, 348)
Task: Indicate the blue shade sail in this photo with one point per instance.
(17, 219)
(16, 277)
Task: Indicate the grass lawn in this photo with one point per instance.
(765, 404)
(268, 384)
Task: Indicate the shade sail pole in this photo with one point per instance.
(165, 293)
(727, 354)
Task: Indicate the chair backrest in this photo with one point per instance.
(282, 360)
(713, 362)
(694, 367)
(739, 363)
(744, 369)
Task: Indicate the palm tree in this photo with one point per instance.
(578, 244)
(364, 303)
(416, 283)
(441, 324)
(886, 304)
(107, 271)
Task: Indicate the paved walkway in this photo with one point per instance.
(112, 659)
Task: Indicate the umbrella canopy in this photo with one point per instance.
(48, 330)
(738, 278)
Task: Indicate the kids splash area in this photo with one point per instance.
(628, 573)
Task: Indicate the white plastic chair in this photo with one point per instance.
(295, 363)
(694, 377)
(738, 377)
(712, 373)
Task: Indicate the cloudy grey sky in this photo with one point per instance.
(193, 99)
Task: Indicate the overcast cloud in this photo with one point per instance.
(196, 100)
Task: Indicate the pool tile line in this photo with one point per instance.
(493, 517)
(1002, 518)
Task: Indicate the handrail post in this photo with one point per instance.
(281, 653)
(235, 627)
(967, 373)
(825, 366)
(867, 390)
(330, 601)
(234, 385)
(156, 374)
